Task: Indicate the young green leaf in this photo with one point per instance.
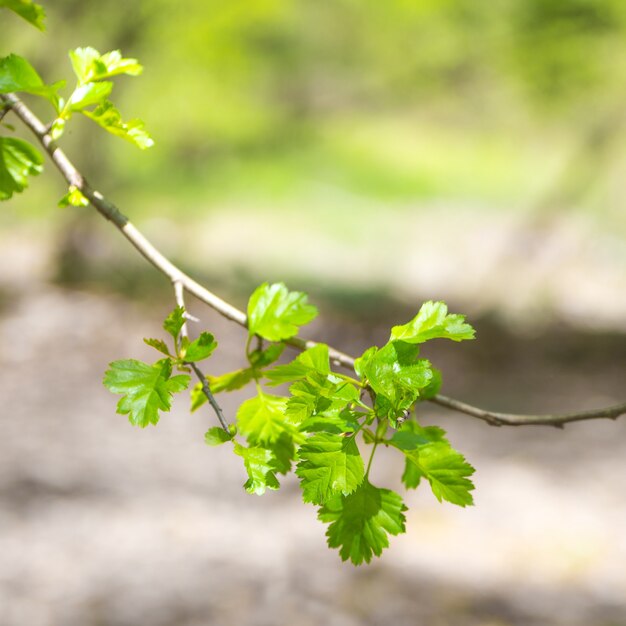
(73, 197)
(263, 358)
(329, 465)
(396, 374)
(18, 160)
(345, 421)
(226, 382)
(260, 466)
(231, 380)
(360, 523)
(28, 10)
(433, 387)
(447, 472)
(159, 345)
(18, 75)
(314, 359)
(200, 348)
(86, 95)
(174, 322)
(430, 455)
(262, 419)
(146, 389)
(107, 116)
(89, 65)
(216, 436)
(275, 313)
(319, 394)
(433, 322)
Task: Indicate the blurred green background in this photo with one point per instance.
(371, 130)
(375, 154)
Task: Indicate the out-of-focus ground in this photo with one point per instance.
(105, 524)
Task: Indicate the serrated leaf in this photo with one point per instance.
(28, 10)
(73, 197)
(313, 359)
(18, 75)
(216, 436)
(262, 419)
(275, 313)
(447, 472)
(90, 65)
(18, 161)
(260, 466)
(200, 348)
(329, 465)
(284, 452)
(146, 389)
(430, 455)
(433, 322)
(107, 116)
(159, 345)
(360, 523)
(345, 421)
(396, 375)
(174, 322)
(319, 394)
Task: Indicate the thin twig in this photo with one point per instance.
(177, 276)
(4, 110)
(206, 390)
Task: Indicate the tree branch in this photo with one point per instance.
(108, 210)
(206, 390)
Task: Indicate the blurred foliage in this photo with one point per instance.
(263, 100)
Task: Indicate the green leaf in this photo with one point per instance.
(319, 394)
(361, 362)
(73, 197)
(146, 389)
(433, 322)
(216, 436)
(86, 95)
(18, 75)
(18, 160)
(174, 322)
(396, 374)
(231, 380)
(430, 455)
(159, 345)
(447, 472)
(90, 65)
(226, 382)
(360, 523)
(27, 9)
(260, 466)
(346, 421)
(262, 419)
(433, 387)
(314, 359)
(199, 349)
(107, 116)
(329, 465)
(263, 358)
(275, 313)
(284, 452)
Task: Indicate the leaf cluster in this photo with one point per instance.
(90, 97)
(319, 428)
